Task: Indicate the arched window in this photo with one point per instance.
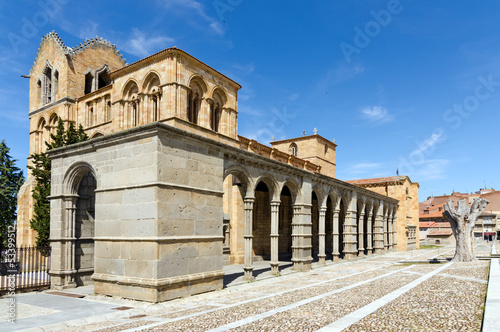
(194, 106)
(155, 108)
(39, 92)
(195, 96)
(293, 149)
(108, 110)
(131, 98)
(47, 86)
(103, 79)
(219, 100)
(135, 119)
(89, 81)
(53, 123)
(152, 89)
(39, 140)
(91, 117)
(215, 113)
(55, 85)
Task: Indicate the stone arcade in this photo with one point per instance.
(166, 191)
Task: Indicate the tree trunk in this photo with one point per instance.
(462, 221)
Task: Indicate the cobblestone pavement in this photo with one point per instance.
(396, 291)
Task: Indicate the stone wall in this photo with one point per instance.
(157, 214)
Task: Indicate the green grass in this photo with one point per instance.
(429, 246)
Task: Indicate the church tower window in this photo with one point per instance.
(293, 149)
(47, 86)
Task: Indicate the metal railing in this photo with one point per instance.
(26, 268)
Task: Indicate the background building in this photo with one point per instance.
(406, 192)
(434, 228)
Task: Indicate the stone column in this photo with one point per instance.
(361, 246)
(350, 228)
(369, 235)
(335, 235)
(350, 233)
(390, 233)
(248, 267)
(301, 234)
(62, 237)
(321, 235)
(395, 230)
(275, 207)
(378, 233)
(386, 231)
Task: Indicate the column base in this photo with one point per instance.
(248, 274)
(322, 260)
(302, 266)
(336, 257)
(350, 255)
(275, 269)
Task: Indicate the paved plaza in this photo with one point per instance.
(391, 292)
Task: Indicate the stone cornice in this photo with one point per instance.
(242, 156)
(62, 101)
(301, 138)
(96, 92)
(163, 54)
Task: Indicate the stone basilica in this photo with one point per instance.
(166, 192)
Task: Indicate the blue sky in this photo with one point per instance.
(408, 85)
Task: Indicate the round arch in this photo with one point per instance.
(130, 89)
(196, 81)
(97, 134)
(150, 81)
(74, 175)
(294, 188)
(271, 184)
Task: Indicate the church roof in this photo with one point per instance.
(388, 179)
(73, 51)
(165, 51)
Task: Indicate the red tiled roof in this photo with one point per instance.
(434, 232)
(379, 180)
(433, 212)
(426, 223)
(441, 225)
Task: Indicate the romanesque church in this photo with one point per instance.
(166, 192)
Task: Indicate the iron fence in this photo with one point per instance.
(24, 269)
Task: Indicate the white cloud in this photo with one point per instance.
(88, 30)
(342, 73)
(293, 97)
(142, 45)
(365, 166)
(190, 6)
(432, 169)
(376, 114)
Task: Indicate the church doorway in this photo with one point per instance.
(84, 230)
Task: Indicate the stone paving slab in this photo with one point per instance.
(299, 301)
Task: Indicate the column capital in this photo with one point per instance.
(249, 199)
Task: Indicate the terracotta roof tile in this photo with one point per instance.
(434, 232)
(425, 224)
(441, 225)
(379, 180)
